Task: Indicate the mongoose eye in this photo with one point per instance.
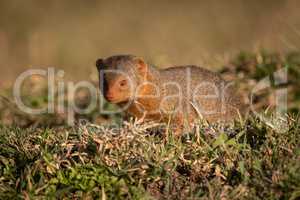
(123, 83)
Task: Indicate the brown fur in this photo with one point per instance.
(182, 109)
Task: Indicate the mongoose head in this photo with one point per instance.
(120, 76)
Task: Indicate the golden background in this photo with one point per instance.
(71, 35)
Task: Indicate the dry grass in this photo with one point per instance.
(247, 161)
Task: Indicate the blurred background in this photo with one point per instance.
(71, 35)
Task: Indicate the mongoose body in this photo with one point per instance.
(179, 95)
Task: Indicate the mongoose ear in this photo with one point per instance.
(141, 66)
(99, 64)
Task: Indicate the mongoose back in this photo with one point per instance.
(178, 95)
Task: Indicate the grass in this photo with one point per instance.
(41, 158)
(88, 161)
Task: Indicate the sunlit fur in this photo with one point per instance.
(149, 92)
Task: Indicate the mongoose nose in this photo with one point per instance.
(109, 94)
(109, 97)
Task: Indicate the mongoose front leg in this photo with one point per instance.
(178, 131)
(178, 127)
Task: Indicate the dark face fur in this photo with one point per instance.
(118, 77)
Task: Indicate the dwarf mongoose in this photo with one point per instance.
(177, 95)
